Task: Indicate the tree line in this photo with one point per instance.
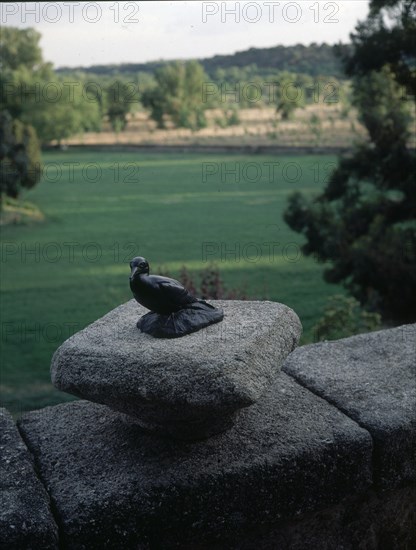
(313, 60)
(61, 104)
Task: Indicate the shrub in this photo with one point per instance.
(343, 317)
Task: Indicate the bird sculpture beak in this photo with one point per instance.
(133, 272)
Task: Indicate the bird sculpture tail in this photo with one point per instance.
(201, 301)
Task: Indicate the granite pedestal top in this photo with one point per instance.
(189, 387)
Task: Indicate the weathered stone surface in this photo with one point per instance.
(115, 486)
(26, 521)
(372, 379)
(370, 521)
(189, 387)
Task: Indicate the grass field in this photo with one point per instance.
(102, 208)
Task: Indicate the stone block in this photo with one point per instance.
(26, 521)
(115, 486)
(372, 379)
(189, 387)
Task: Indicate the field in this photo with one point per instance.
(319, 125)
(102, 208)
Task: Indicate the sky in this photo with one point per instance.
(98, 33)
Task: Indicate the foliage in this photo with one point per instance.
(18, 212)
(315, 127)
(19, 156)
(178, 93)
(24, 74)
(229, 118)
(313, 60)
(385, 38)
(30, 91)
(20, 47)
(291, 76)
(364, 222)
(75, 112)
(211, 285)
(25, 90)
(120, 97)
(343, 317)
(289, 96)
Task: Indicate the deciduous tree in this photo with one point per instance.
(178, 93)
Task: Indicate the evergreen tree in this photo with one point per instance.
(19, 156)
(364, 222)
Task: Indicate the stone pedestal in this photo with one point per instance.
(190, 387)
(323, 459)
(116, 487)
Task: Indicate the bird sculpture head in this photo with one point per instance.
(138, 266)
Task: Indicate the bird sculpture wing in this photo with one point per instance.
(174, 291)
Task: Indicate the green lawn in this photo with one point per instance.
(62, 274)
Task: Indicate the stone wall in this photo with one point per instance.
(325, 459)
